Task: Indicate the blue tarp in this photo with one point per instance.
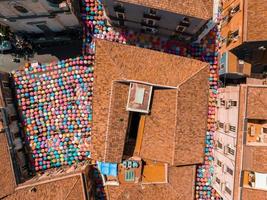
(109, 169)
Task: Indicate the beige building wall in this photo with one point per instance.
(248, 157)
(225, 141)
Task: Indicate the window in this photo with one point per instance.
(224, 20)
(185, 22)
(264, 130)
(119, 8)
(218, 180)
(222, 102)
(233, 103)
(9, 100)
(219, 163)
(231, 151)
(240, 66)
(152, 11)
(234, 34)
(151, 30)
(229, 171)
(5, 84)
(120, 15)
(220, 125)
(223, 61)
(232, 128)
(235, 10)
(21, 9)
(222, 66)
(180, 29)
(227, 189)
(223, 40)
(219, 144)
(150, 22)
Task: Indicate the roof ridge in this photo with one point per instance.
(192, 76)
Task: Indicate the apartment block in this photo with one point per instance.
(241, 146)
(231, 67)
(225, 141)
(184, 21)
(43, 16)
(243, 31)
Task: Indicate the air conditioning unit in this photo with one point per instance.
(150, 30)
(224, 168)
(227, 104)
(217, 125)
(226, 127)
(215, 146)
(259, 139)
(252, 131)
(218, 102)
(222, 186)
(225, 150)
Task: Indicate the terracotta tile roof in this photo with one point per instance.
(256, 103)
(180, 187)
(69, 188)
(182, 109)
(248, 194)
(256, 157)
(202, 9)
(7, 180)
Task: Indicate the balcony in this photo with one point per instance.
(257, 133)
(255, 180)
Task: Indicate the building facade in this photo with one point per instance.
(37, 17)
(231, 67)
(244, 176)
(242, 30)
(13, 167)
(185, 22)
(225, 137)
